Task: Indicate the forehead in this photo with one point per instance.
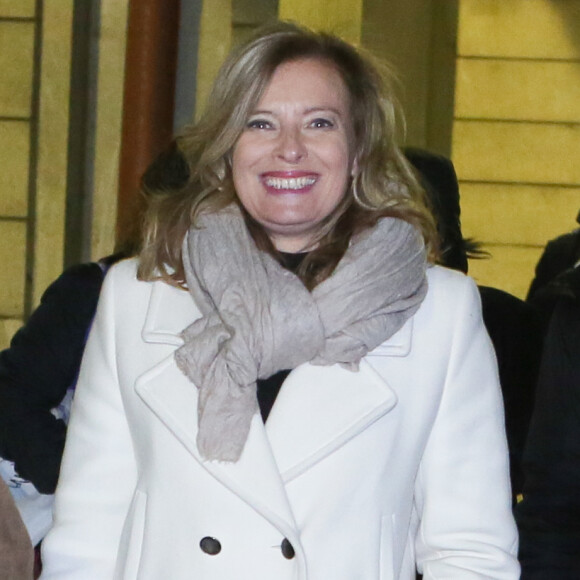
(312, 81)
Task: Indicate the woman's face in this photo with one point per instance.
(294, 159)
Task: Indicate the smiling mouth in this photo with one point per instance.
(291, 183)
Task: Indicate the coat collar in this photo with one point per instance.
(169, 312)
(318, 409)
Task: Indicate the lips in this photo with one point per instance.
(288, 181)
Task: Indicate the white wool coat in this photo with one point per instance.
(366, 473)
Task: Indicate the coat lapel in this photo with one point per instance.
(169, 312)
(173, 399)
(254, 478)
(319, 409)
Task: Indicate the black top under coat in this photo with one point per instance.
(269, 388)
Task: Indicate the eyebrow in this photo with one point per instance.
(306, 112)
(324, 109)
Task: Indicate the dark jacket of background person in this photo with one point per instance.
(549, 515)
(516, 334)
(35, 372)
(555, 274)
(560, 254)
(16, 554)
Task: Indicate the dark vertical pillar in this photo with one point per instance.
(148, 104)
(82, 131)
(441, 89)
(186, 82)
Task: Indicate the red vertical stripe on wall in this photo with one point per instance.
(148, 102)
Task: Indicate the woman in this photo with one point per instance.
(280, 387)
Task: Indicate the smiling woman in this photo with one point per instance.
(283, 385)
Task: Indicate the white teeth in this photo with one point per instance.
(292, 183)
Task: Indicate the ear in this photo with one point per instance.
(354, 167)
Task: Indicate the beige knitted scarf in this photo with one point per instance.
(259, 318)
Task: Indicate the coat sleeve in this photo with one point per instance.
(35, 372)
(98, 472)
(462, 492)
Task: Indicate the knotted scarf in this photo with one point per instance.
(259, 318)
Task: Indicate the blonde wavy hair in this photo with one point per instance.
(385, 184)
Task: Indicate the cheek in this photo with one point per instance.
(341, 165)
(246, 156)
(240, 167)
(237, 159)
(338, 156)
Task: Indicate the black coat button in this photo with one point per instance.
(210, 546)
(287, 549)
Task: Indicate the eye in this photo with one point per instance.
(259, 124)
(321, 123)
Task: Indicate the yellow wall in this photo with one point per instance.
(516, 137)
(112, 45)
(52, 144)
(33, 152)
(214, 44)
(16, 85)
(341, 17)
(399, 34)
(17, 32)
(33, 149)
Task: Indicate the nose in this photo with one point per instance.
(291, 146)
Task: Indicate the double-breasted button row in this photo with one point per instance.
(212, 547)
(287, 549)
